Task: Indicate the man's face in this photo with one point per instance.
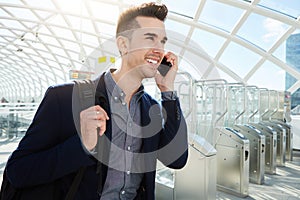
(146, 47)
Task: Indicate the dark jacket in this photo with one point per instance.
(51, 150)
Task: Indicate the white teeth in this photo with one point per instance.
(152, 61)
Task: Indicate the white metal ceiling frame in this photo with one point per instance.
(242, 5)
(42, 21)
(295, 24)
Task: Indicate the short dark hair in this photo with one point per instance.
(127, 20)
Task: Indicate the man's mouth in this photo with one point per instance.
(152, 61)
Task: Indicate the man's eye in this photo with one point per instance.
(150, 38)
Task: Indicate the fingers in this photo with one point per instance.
(173, 59)
(93, 118)
(100, 113)
(100, 127)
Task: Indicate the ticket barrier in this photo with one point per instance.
(281, 141)
(232, 161)
(197, 180)
(289, 139)
(271, 147)
(257, 152)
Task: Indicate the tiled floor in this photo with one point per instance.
(284, 185)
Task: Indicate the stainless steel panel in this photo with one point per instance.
(289, 139)
(281, 142)
(232, 162)
(164, 183)
(197, 180)
(271, 147)
(257, 152)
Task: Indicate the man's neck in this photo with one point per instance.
(128, 81)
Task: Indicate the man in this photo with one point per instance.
(121, 136)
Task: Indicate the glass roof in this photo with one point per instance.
(237, 40)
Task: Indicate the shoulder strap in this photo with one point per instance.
(73, 188)
(86, 93)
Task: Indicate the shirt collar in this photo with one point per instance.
(115, 91)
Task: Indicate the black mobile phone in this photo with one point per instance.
(164, 66)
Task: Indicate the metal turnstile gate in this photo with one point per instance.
(232, 162)
(289, 140)
(281, 141)
(197, 180)
(257, 152)
(271, 147)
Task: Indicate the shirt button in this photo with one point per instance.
(121, 94)
(115, 98)
(128, 172)
(130, 124)
(123, 103)
(128, 148)
(123, 192)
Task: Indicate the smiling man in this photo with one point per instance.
(122, 136)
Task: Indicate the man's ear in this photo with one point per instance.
(123, 44)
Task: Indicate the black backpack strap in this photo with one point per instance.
(86, 93)
(73, 188)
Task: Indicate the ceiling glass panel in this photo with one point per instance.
(87, 26)
(220, 15)
(104, 11)
(280, 52)
(16, 2)
(105, 29)
(176, 26)
(40, 46)
(288, 7)
(75, 22)
(7, 33)
(182, 7)
(262, 31)
(22, 13)
(58, 50)
(49, 40)
(264, 77)
(38, 59)
(239, 59)
(71, 6)
(89, 39)
(3, 13)
(62, 60)
(210, 42)
(40, 4)
(135, 2)
(12, 24)
(57, 20)
(63, 33)
(70, 45)
(43, 14)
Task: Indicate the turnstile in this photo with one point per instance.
(271, 147)
(289, 140)
(232, 161)
(197, 180)
(281, 141)
(257, 152)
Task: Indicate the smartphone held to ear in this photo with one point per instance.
(164, 67)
